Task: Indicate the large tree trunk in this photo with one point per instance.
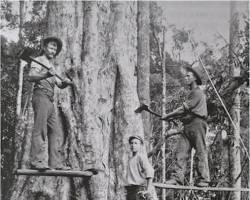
(143, 64)
(234, 151)
(125, 120)
(89, 121)
(97, 114)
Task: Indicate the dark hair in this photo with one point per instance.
(196, 75)
(52, 39)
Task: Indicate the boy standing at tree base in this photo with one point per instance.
(140, 172)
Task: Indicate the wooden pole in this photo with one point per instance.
(31, 172)
(20, 88)
(163, 113)
(180, 187)
(22, 63)
(191, 180)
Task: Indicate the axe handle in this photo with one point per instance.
(154, 113)
(34, 60)
(169, 120)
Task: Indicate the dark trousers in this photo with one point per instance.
(45, 146)
(193, 137)
(132, 191)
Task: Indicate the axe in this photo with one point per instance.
(25, 55)
(144, 107)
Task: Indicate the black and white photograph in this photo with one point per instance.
(125, 100)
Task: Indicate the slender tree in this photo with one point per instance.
(164, 96)
(22, 63)
(234, 151)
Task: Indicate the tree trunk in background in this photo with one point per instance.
(22, 63)
(224, 165)
(126, 122)
(143, 64)
(97, 114)
(164, 101)
(234, 151)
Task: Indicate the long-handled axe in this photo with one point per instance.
(144, 107)
(25, 55)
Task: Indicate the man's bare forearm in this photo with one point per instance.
(37, 77)
(149, 183)
(174, 113)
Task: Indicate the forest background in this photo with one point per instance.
(171, 27)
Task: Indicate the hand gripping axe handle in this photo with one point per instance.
(144, 107)
(25, 55)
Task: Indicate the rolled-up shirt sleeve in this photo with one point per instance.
(35, 68)
(196, 103)
(146, 167)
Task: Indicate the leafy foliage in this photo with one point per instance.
(32, 31)
(9, 18)
(220, 72)
(9, 81)
(219, 69)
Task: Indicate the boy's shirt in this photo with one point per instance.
(139, 169)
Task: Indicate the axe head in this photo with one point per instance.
(25, 54)
(141, 108)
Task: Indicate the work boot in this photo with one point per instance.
(40, 167)
(172, 182)
(62, 167)
(202, 184)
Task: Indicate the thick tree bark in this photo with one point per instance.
(143, 64)
(97, 114)
(234, 151)
(24, 124)
(126, 122)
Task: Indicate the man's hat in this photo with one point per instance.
(196, 74)
(135, 137)
(53, 39)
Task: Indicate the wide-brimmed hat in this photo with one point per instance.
(196, 74)
(135, 137)
(53, 39)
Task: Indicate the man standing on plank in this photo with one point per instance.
(46, 130)
(194, 111)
